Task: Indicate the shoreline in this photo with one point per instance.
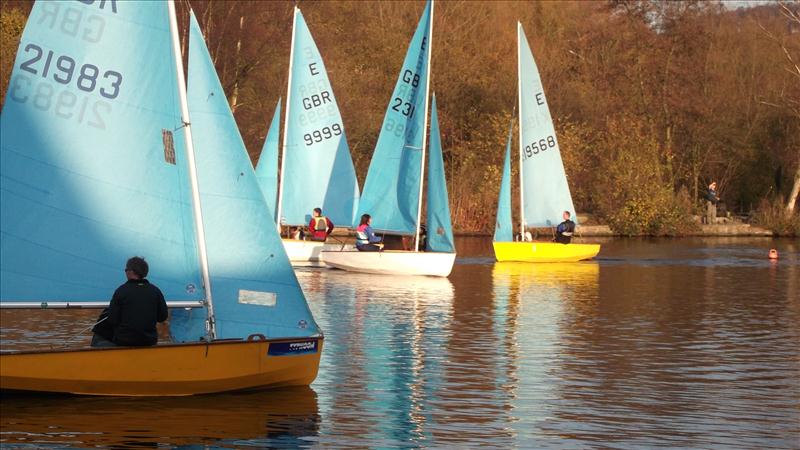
(727, 230)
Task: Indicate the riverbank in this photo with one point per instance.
(727, 229)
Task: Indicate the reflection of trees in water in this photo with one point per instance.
(675, 349)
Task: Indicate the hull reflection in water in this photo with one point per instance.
(553, 274)
(284, 418)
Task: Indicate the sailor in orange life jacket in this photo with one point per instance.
(365, 238)
(319, 226)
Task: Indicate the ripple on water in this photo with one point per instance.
(670, 344)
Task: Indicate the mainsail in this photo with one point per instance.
(440, 229)
(267, 167)
(392, 189)
(255, 288)
(545, 192)
(317, 170)
(91, 167)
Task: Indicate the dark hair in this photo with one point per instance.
(318, 211)
(138, 265)
(568, 213)
(365, 218)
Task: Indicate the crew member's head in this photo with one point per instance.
(136, 268)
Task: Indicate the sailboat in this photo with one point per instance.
(544, 192)
(267, 167)
(316, 167)
(393, 189)
(98, 164)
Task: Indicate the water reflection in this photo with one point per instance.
(659, 343)
(384, 336)
(287, 418)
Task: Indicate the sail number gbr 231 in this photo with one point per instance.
(535, 147)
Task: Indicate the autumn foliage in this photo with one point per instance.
(652, 100)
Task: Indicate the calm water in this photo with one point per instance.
(690, 343)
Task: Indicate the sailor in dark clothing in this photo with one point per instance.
(565, 229)
(134, 310)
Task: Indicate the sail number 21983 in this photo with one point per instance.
(65, 70)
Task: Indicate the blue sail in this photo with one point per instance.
(545, 191)
(267, 167)
(503, 228)
(440, 229)
(317, 168)
(91, 171)
(392, 188)
(253, 286)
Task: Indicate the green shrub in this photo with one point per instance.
(772, 215)
(633, 195)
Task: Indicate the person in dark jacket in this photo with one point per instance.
(133, 312)
(711, 203)
(565, 229)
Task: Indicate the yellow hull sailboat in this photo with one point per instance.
(544, 192)
(164, 370)
(85, 189)
(549, 252)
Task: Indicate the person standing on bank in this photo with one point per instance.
(320, 226)
(133, 312)
(711, 203)
(365, 238)
(565, 229)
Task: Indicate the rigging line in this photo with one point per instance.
(83, 331)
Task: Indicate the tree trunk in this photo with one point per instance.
(235, 96)
(795, 191)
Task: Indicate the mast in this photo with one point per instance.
(211, 328)
(286, 123)
(519, 100)
(424, 128)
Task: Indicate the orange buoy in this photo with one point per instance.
(773, 254)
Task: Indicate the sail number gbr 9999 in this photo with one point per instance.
(323, 133)
(536, 147)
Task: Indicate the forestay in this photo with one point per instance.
(255, 288)
(267, 167)
(545, 193)
(317, 168)
(392, 188)
(503, 231)
(440, 229)
(91, 165)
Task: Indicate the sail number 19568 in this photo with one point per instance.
(536, 147)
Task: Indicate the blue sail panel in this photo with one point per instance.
(440, 229)
(91, 171)
(391, 190)
(546, 192)
(267, 167)
(503, 228)
(318, 170)
(253, 286)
